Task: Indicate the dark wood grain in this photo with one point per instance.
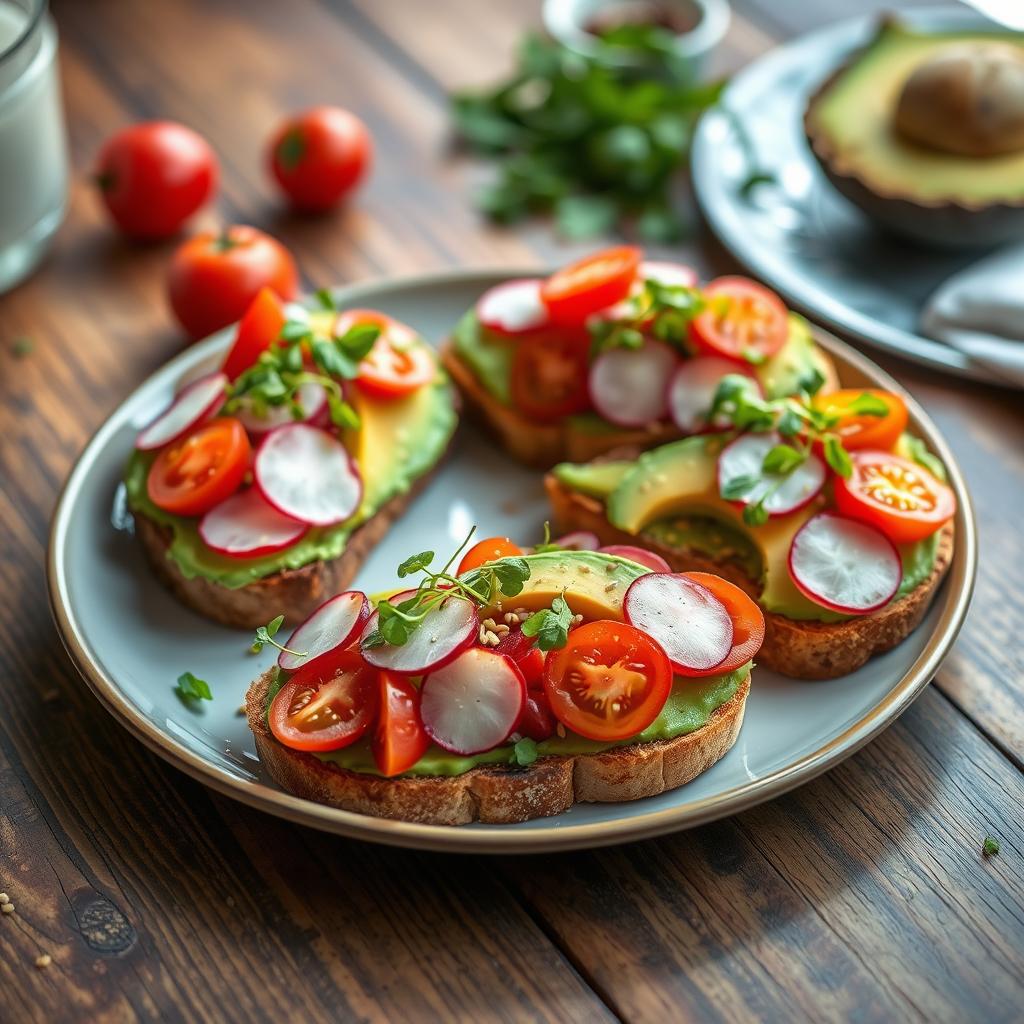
(862, 896)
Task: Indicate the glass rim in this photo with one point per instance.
(35, 16)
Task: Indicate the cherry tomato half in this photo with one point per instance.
(609, 682)
(488, 550)
(259, 327)
(899, 497)
(319, 156)
(154, 176)
(575, 292)
(214, 278)
(398, 363)
(192, 475)
(858, 430)
(549, 375)
(743, 320)
(399, 739)
(327, 704)
(523, 650)
(536, 721)
(747, 622)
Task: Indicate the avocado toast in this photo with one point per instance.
(521, 686)
(264, 486)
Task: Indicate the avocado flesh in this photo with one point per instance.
(851, 125)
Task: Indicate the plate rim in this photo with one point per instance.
(956, 591)
(834, 315)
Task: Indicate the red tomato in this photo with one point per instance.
(327, 704)
(747, 622)
(487, 551)
(861, 431)
(399, 739)
(536, 721)
(398, 363)
(528, 657)
(597, 282)
(743, 320)
(154, 176)
(259, 327)
(549, 375)
(899, 497)
(215, 277)
(192, 475)
(609, 682)
(319, 156)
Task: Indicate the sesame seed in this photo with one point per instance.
(7, 908)
(560, 729)
(4, 898)
(44, 960)
(241, 709)
(489, 623)
(501, 629)
(584, 569)
(609, 587)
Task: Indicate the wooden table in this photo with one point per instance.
(863, 895)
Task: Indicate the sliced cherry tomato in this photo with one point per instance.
(549, 375)
(260, 326)
(609, 682)
(536, 721)
(523, 650)
(487, 551)
(399, 361)
(399, 739)
(192, 475)
(327, 704)
(747, 622)
(214, 277)
(596, 282)
(743, 320)
(899, 497)
(858, 430)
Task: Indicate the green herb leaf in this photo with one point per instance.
(265, 635)
(342, 414)
(919, 453)
(755, 514)
(415, 563)
(524, 752)
(550, 625)
(295, 330)
(782, 460)
(866, 404)
(990, 847)
(395, 631)
(739, 486)
(789, 424)
(837, 456)
(326, 300)
(511, 574)
(191, 688)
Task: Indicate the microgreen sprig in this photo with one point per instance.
(191, 688)
(550, 625)
(661, 310)
(265, 635)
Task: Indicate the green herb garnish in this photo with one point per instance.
(550, 625)
(660, 310)
(192, 688)
(990, 847)
(265, 635)
(524, 752)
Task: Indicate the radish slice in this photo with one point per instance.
(336, 623)
(513, 307)
(844, 564)
(445, 631)
(693, 626)
(653, 562)
(745, 456)
(579, 540)
(312, 397)
(198, 402)
(473, 704)
(245, 526)
(305, 473)
(627, 385)
(672, 274)
(692, 390)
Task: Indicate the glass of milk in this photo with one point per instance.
(33, 150)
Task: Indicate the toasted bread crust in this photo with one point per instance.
(293, 593)
(801, 649)
(500, 794)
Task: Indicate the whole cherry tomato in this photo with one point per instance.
(215, 277)
(154, 176)
(319, 156)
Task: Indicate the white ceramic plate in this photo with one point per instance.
(800, 236)
(131, 639)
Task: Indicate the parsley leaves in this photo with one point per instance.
(524, 752)
(550, 625)
(191, 688)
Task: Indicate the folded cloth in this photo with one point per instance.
(980, 312)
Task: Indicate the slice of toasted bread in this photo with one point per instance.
(500, 794)
(802, 649)
(293, 593)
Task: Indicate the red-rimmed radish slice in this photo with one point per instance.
(444, 632)
(312, 398)
(693, 626)
(473, 703)
(627, 385)
(844, 564)
(745, 457)
(672, 274)
(514, 307)
(245, 526)
(579, 540)
(196, 403)
(648, 558)
(307, 474)
(692, 390)
(336, 623)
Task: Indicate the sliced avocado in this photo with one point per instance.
(489, 358)
(598, 479)
(796, 366)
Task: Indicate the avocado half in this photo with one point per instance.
(931, 195)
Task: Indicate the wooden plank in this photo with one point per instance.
(861, 896)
